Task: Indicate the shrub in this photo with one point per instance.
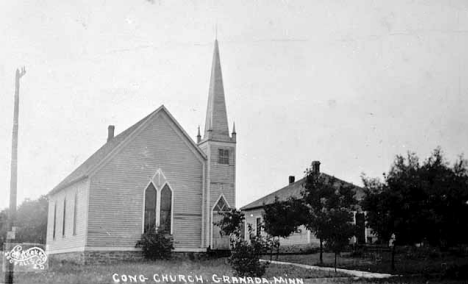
(245, 256)
(455, 271)
(156, 245)
(245, 259)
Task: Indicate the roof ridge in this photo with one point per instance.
(287, 191)
(100, 154)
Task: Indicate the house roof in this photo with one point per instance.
(294, 190)
(88, 166)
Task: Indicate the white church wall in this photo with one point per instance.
(74, 237)
(117, 190)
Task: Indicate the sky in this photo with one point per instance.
(351, 84)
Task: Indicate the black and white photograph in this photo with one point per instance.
(234, 142)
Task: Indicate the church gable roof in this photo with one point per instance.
(89, 166)
(294, 190)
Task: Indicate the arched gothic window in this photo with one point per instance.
(166, 207)
(221, 205)
(150, 208)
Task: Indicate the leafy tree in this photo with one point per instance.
(329, 205)
(340, 230)
(419, 203)
(394, 207)
(377, 202)
(446, 204)
(231, 222)
(31, 221)
(3, 226)
(245, 254)
(282, 218)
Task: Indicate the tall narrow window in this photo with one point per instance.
(55, 220)
(150, 208)
(223, 156)
(75, 210)
(165, 213)
(64, 216)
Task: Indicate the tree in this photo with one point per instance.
(446, 206)
(339, 231)
(245, 255)
(282, 218)
(377, 202)
(31, 221)
(3, 226)
(231, 222)
(418, 203)
(394, 207)
(330, 204)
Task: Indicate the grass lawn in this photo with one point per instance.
(405, 264)
(205, 269)
(412, 269)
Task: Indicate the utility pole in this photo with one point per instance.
(14, 175)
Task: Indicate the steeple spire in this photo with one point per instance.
(216, 125)
(198, 135)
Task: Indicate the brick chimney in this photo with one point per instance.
(292, 179)
(110, 132)
(316, 167)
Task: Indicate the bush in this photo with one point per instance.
(245, 258)
(156, 245)
(455, 271)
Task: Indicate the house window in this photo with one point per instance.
(259, 226)
(150, 208)
(64, 216)
(55, 220)
(165, 210)
(223, 156)
(75, 209)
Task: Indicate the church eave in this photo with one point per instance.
(91, 166)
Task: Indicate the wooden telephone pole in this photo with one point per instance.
(14, 174)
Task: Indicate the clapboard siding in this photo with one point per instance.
(187, 233)
(301, 236)
(70, 240)
(117, 189)
(222, 177)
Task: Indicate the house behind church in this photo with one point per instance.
(150, 175)
(302, 237)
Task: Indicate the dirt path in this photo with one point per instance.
(356, 273)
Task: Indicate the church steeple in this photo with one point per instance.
(220, 150)
(216, 124)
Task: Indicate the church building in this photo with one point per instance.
(150, 175)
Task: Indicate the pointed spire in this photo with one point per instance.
(234, 134)
(198, 135)
(216, 124)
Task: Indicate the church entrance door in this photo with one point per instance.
(219, 242)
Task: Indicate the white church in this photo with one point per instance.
(150, 175)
